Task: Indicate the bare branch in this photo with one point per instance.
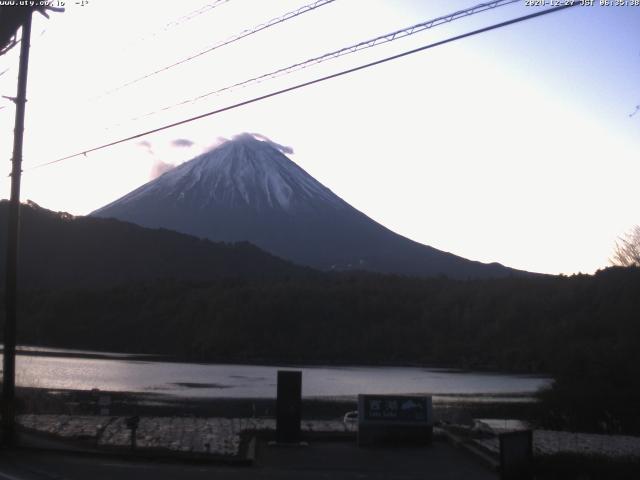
(627, 250)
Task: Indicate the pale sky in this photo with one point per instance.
(515, 146)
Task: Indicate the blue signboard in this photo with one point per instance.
(394, 409)
(394, 419)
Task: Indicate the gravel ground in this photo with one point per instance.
(208, 436)
(548, 443)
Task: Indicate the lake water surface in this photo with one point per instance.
(252, 381)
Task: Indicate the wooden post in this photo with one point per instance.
(9, 357)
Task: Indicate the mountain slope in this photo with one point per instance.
(248, 190)
(59, 250)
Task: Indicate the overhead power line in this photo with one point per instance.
(243, 34)
(194, 14)
(312, 82)
(379, 40)
(180, 20)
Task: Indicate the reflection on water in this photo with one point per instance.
(214, 380)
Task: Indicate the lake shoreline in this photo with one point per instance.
(48, 351)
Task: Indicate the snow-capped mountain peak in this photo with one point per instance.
(243, 172)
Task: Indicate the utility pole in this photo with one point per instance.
(9, 357)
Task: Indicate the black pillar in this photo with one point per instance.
(288, 406)
(516, 455)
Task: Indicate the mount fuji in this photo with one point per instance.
(246, 189)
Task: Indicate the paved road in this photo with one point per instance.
(319, 460)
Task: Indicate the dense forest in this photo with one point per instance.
(532, 325)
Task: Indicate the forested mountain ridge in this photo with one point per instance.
(58, 250)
